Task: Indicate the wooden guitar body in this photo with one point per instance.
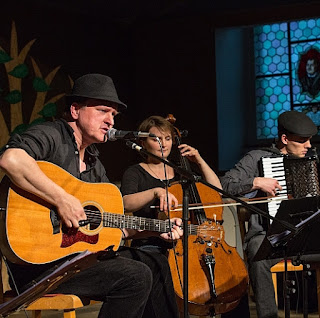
(31, 232)
(30, 228)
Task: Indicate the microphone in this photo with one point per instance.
(140, 149)
(133, 146)
(114, 134)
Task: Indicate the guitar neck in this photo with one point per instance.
(115, 220)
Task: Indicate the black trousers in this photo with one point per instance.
(261, 280)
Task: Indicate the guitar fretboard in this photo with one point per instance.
(140, 223)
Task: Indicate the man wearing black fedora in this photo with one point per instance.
(295, 130)
(134, 284)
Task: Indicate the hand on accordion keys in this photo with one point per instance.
(268, 185)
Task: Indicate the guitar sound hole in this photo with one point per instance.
(93, 216)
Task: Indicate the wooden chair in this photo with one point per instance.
(65, 303)
(243, 217)
(279, 268)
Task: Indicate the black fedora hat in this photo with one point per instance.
(96, 86)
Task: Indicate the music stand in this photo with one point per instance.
(279, 242)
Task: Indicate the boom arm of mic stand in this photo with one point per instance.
(286, 225)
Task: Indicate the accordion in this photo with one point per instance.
(298, 177)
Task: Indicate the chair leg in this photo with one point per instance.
(36, 313)
(274, 280)
(69, 313)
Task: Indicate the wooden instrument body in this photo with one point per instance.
(230, 273)
(27, 230)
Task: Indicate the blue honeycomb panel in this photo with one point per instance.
(271, 49)
(272, 98)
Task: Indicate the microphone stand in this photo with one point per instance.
(189, 178)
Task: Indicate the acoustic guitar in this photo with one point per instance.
(31, 231)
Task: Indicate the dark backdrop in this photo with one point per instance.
(160, 54)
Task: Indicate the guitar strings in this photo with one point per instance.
(98, 218)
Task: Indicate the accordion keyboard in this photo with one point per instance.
(297, 177)
(273, 167)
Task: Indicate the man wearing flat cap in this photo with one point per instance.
(295, 130)
(134, 284)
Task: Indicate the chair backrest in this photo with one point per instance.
(243, 216)
(232, 228)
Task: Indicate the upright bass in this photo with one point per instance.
(217, 277)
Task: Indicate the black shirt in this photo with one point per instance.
(54, 142)
(136, 179)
